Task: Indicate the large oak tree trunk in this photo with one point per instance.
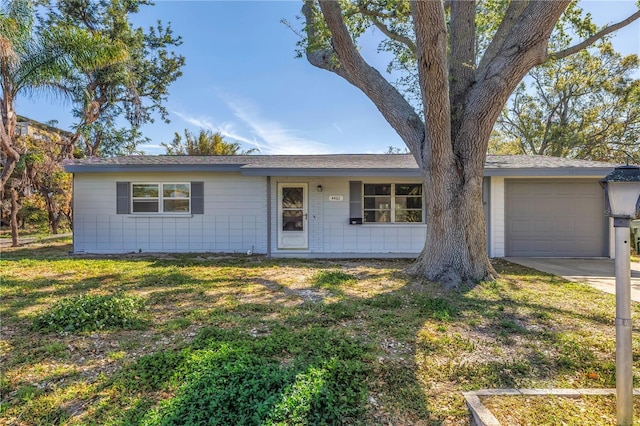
(455, 247)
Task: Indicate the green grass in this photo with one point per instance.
(556, 410)
(36, 232)
(255, 341)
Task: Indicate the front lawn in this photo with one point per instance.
(216, 339)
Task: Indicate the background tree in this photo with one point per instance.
(465, 77)
(31, 59)
(90, 52)
(396, 150)
(38, 180)
(51, 186)
(584, 106)
(205, 143)
(104, 138)
(134, 89)
(18, 185)
(27, 61)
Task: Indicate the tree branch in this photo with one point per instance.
(597, 36)
(353, 68)
(325, 59)
(520, 45)
(375, 18)
(394, 36)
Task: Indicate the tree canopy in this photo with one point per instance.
(586, 106)
(134, 89)
(205, 143)
(34, 58)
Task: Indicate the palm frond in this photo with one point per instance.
(85, 50)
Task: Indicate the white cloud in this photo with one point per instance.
(199, 122)
(269, 136)
(226, 129)
(276, 138)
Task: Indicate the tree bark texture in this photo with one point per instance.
(53, 214)
(10, 152)
(455, 247)
(13, 217)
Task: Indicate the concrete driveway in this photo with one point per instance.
(598, 273)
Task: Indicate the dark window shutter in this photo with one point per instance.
(197, 197)
(123, 199)
(355, 202)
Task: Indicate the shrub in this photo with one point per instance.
(92, 313)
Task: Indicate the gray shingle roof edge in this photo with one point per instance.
(332, 165)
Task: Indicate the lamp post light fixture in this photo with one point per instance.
(622, 196)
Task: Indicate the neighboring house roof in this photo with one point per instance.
(40, 129)
(331, 165)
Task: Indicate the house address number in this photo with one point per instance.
(336, 198)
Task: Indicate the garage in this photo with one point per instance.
(555, 218)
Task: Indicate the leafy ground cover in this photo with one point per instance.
(256, 341)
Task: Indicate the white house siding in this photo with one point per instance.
(329, 230)
(234, 218)
(497, 228)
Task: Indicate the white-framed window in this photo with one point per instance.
(172, 197)
(393, 203)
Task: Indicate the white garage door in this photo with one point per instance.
(555, 218)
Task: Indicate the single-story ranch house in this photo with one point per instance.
(326, 205)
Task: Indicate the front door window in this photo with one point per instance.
(292, 209)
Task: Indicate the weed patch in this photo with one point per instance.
(332, 278)
(227, 377)
(93, 313)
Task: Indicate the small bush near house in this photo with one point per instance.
(92, 313)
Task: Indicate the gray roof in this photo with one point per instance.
(332, 165)
(525, 165)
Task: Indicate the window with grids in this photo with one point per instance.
(392, 203)
(161, 198)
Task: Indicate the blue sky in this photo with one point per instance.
(242, 78)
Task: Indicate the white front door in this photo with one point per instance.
(293, 231)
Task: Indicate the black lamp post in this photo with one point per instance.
(622, 193)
